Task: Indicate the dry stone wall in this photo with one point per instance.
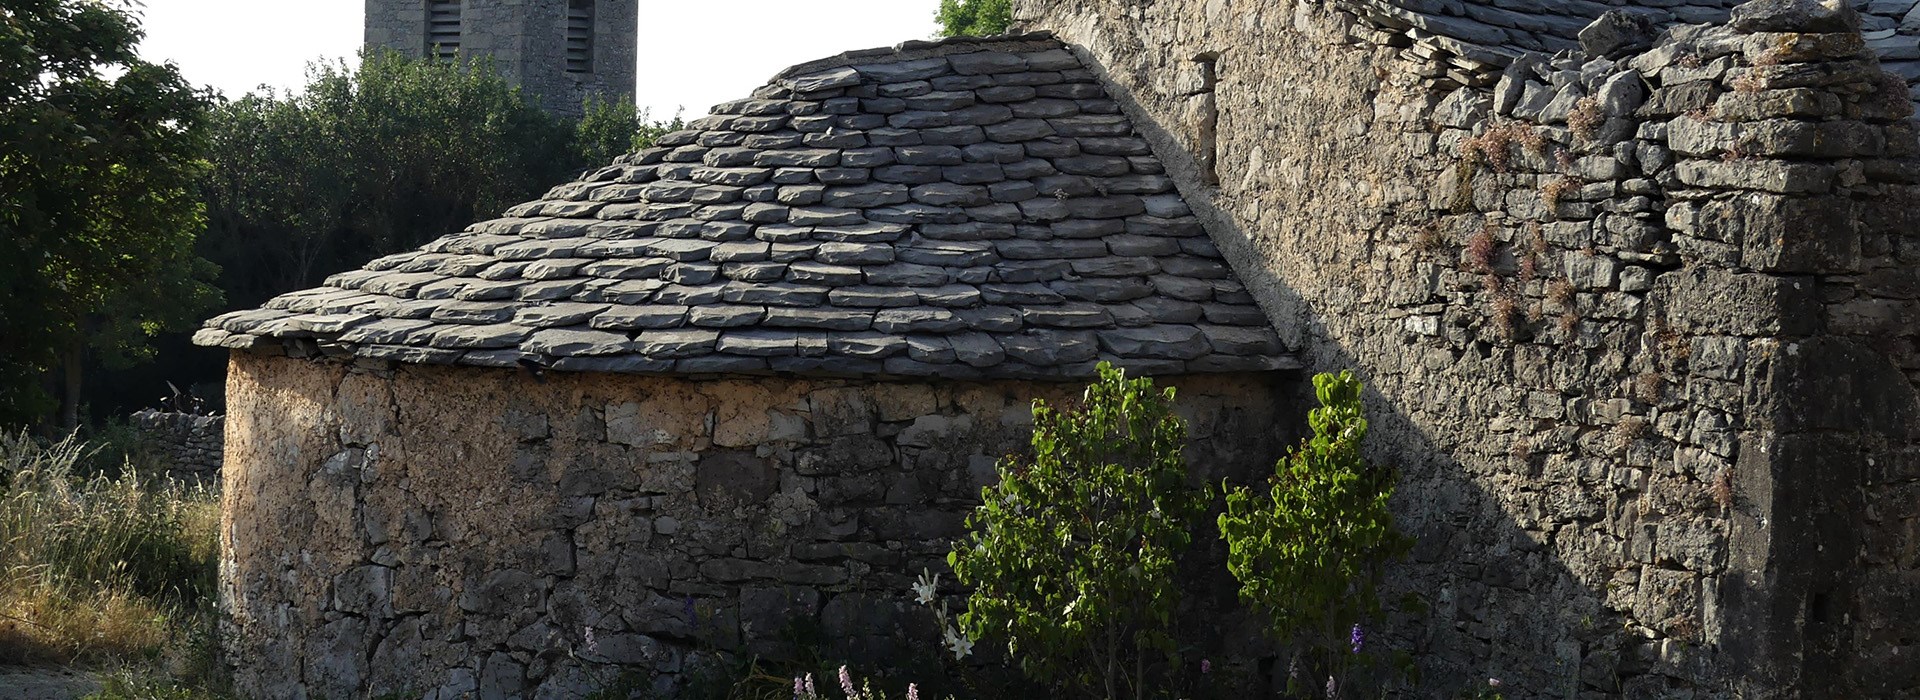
(453, 532)
(188, 444)
(1638, 321)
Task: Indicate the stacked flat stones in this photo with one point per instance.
(1892, 30)
(974, 208)
(1475, 37)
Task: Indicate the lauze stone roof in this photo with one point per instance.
(1478, 35)
(974, 208)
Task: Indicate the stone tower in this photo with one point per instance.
(560, 51)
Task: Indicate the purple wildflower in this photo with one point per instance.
(1359, 638)
(1333, 689)
(913, 692)
(799, 689)
(846, 683)
(593, 645)
(1206, 667)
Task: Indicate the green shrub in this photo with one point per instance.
(1071, 555)
(974, 17)
(1310, 552)
(608, 129)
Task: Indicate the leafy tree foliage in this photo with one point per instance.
(607, 130)
(1071, 556)
(99, 153)
(366, 162)
(1310, 551)
(362, 161)
(974, 17)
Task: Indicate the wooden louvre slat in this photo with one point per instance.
(579, 38)
(443, 28)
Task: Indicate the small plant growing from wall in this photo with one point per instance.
(1505, 312)
(1493, 146)
(1586, 118)
(1556, 190)
(1071, 555)
(1427, 239)
(1480, 251)
(1311, 550)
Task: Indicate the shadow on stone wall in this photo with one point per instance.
(1574, 482)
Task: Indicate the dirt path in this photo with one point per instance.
(45, 683)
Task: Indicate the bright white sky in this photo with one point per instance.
(692, 54)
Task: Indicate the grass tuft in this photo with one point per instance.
(103, 569)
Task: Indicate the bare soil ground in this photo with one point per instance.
(45, 683)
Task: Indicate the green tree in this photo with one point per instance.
(1071, 556)
(974, 17)
(99, 152)
(1310, 552)
(609, 129)
(367, 162)
(381, 158)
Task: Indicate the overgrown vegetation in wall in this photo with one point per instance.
(102, 569)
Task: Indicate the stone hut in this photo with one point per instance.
(745, 382)
(1635, 288)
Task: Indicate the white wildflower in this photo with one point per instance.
(923, 589)
(958, 644)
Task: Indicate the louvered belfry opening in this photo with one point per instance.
(579, 36)
(443, 29)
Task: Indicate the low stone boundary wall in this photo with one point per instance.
(189, 445)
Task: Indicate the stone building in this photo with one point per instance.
(750, 379)
(559, 51)
(1634, 291)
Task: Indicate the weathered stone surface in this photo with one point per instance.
(636, 520)
(1794, 16)
(562, 342)
(1577, 284)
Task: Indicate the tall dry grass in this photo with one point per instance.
(99, 567)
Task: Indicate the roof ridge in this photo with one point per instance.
(914, 49)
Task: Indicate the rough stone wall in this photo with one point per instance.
(1635, 327)
(526, 40)
(189, 445)
(452, 531)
